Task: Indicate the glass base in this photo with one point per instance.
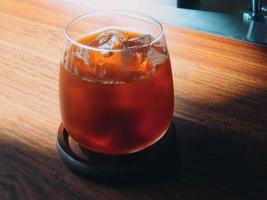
(155, 161)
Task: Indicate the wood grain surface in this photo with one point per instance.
(220, 113)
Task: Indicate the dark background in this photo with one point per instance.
(216, 5)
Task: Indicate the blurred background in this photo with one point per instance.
(235, 19)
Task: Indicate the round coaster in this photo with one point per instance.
(154, 161)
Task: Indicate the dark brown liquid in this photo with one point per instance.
(125, 110)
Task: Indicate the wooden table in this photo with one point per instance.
(220, 113)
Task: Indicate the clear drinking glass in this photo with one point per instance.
(115, 87)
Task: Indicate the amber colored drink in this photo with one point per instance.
(116, 102)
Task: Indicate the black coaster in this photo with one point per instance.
(159, 159)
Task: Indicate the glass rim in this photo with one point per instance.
(118, 12)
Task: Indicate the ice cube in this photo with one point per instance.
(157, 54)
(137, 41)
(110, 39)
(139, 55)
(146, 59)
(159, 47)
(100, 40)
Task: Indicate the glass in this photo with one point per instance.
(116, 94)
